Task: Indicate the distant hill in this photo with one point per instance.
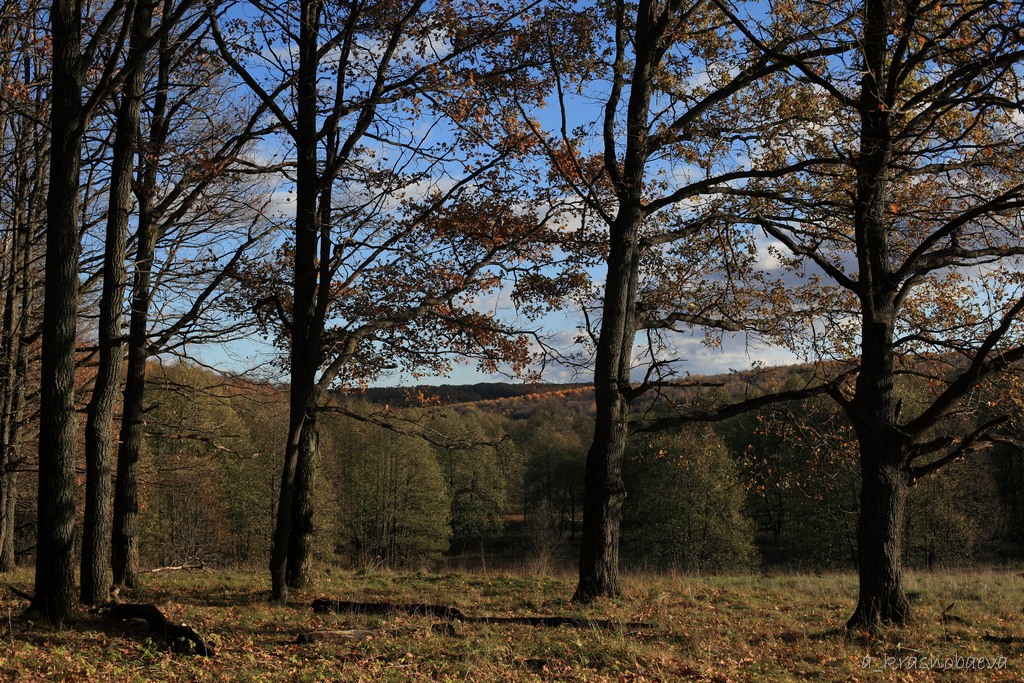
(518, 400)
(454, 394)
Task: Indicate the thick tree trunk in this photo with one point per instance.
(279, 552)
(883, 499)
(99, 427)
(884, 481)
(55, 598)
(300, 545)
(125, 544)
(603, 489)
(604, 494)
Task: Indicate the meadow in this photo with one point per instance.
(784, 627)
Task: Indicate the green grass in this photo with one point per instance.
(708, 628)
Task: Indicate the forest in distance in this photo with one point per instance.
(326, 195)
(491, 476)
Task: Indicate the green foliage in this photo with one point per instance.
(511, 487)
(799, 464)
(393, 508)
(685, 505)
(254, 474)
(554, 448)
(475, 477)
(946, 517)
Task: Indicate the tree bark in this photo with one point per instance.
(99, 434)
(177, 634)
(884, 478)
(10, 344)
(280, 552)
(55, 598)
(307, 326)
(300, 545)
(883, 499)
(125, 544)
(604, 491)
(23, 286)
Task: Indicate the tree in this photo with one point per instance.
(394, 507)
(396, 231)
(655, 169)
(192, 432)
(200, 210)
(905, 219)
(22, 181)
(799, 463)
(687, 509)
(554, 451)
(474, 476)
(54, 579)
(96, 565)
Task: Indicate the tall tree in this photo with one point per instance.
(396, 231)
(653, 172)
(913, 237)
(55, 596)
(199, 212)
(99, 437)
(24, 148)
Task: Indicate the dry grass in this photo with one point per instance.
(728, 628)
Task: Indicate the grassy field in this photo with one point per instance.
(722, 628)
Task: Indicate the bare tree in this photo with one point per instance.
(24, 147)
(200, 210)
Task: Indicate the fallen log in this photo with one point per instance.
(347, 635)
(20, 593)
(180, 636)
(323, 606)
(187, 567)
(575, 622)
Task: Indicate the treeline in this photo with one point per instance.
(500, 483)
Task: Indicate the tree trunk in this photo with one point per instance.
(99, 434)
(55, 598)
(603, 496)
(604, 492)
(873, 411)
(307, 327)
(301, 543)
(125, 543)
(279, 552)
(603, 489)
(9, 380)
(12, 455)
(883, 499)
